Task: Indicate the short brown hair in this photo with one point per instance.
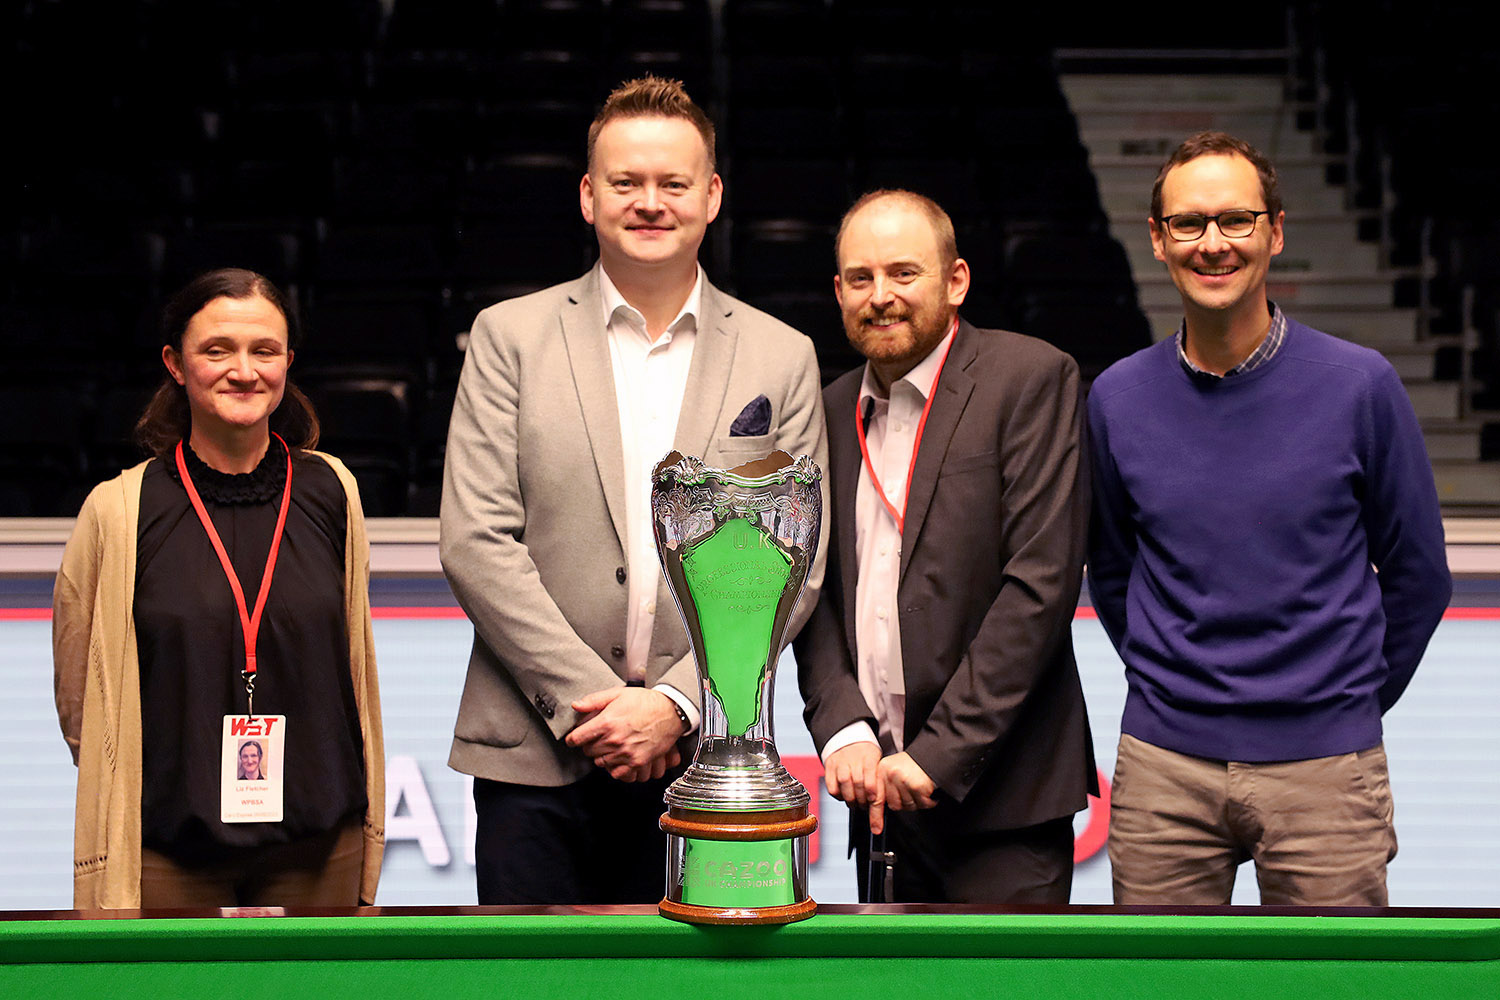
(1220, 144)
(167, 418)
(942, 225)
(653, 97)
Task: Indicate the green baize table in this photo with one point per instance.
(846, 951)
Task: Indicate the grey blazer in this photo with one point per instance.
(533, 510)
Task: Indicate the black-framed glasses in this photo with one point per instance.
(1234, 223)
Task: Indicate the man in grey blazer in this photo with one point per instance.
(581, 694)
(938, 668)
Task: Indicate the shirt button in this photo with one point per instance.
(620, 574)
(880, 613)
(651, 608)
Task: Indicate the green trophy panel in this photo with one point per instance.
(736, 577)
(723, 873)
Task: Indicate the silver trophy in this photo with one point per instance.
(736, 546)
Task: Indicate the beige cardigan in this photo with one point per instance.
(97, 681)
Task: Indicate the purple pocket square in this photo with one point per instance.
(754, 420)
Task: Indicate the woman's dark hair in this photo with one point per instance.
(167, 418)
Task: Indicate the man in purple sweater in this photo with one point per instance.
(1267, 556)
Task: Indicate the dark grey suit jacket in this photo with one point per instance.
(533, 516)
(992, 556)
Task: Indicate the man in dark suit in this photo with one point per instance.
(581, 691)
(938, 667)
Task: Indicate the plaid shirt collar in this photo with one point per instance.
(1267, 349)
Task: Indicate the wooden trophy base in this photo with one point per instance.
(737, 867)
(689, 913)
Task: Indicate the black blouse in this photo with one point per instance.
(191, 649)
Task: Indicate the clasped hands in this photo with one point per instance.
(631, 732)
(859, 775)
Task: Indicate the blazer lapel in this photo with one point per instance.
(950, 396)
(708, 376)
(594, 381)
(845, 467)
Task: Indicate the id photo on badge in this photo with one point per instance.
(253, 762)
(253, 769)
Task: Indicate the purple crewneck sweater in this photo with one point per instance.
(1235, 524)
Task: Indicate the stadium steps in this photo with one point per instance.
(1327, 277)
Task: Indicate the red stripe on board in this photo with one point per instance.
(25, 614)
(412, 613)
(455, 613)
(418, 612)
(1481, 614)
(1084, 613)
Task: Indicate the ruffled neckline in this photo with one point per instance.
(263, 483)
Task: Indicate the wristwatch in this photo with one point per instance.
(682, 716)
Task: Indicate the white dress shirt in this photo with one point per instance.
(890, 438)
(650, 381)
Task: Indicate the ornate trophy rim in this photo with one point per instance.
(692, 471)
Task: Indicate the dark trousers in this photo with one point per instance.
(935, 864)
(595, 841)
(321, 870)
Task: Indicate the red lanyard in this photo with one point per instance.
(251, 623)
(859, 429)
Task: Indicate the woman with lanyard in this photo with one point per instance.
(212, 608)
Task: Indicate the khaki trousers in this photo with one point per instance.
(1320, 831)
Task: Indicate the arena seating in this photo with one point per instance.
(397, 165)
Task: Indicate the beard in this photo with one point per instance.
(924, 329)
